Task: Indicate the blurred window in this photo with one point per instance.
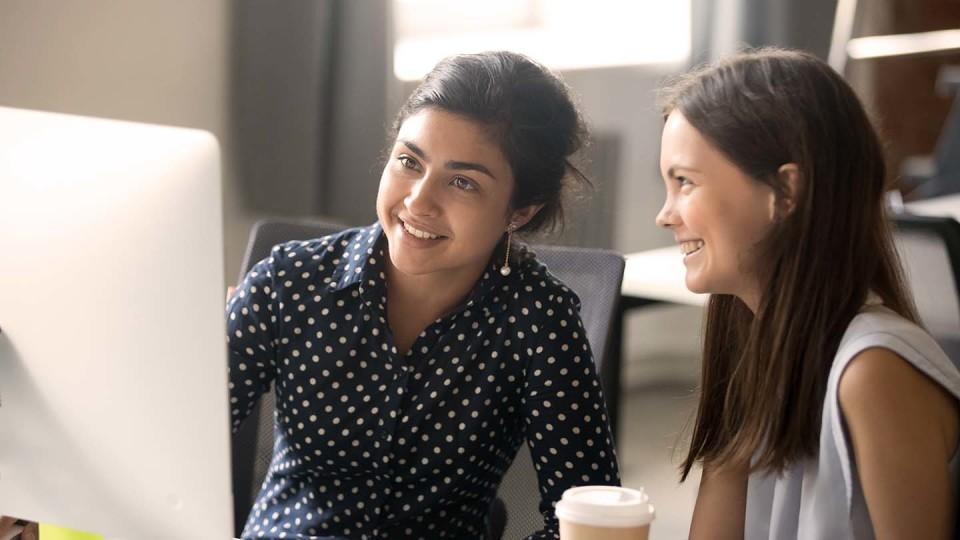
(562, 34)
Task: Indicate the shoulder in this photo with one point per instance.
(326, 253)
(889, 372)
(881, 323)
(548, 315)
(889, 335)
(536, 284)
(878, 372)
(882, 351)
(886, 400)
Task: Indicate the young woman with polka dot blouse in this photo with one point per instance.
(413, 357)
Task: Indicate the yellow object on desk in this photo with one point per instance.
(52, 532)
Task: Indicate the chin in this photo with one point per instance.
(411, 265)
(698, 290)
(694, 285)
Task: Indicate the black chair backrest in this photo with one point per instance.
(594, 274)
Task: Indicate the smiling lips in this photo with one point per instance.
(413, 231)
(691, 246)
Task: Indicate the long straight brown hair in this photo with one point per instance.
(764, 374)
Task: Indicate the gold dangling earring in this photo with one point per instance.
(505, 269)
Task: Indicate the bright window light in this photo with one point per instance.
(562, 34)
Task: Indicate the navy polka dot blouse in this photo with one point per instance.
(375, 444)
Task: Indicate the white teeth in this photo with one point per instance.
(691, 246)
(418, 233)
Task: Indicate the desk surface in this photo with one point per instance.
(948, 205)
(658, 274)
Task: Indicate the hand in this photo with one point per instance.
(230, 291)
(30, 530)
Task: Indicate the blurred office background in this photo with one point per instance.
(301, 93)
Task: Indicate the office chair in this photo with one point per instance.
(929, 249)
(595, 275)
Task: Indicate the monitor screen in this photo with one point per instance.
(114, 411)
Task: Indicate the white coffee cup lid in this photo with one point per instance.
(605, 506)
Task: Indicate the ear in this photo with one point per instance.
(788, 176)
(522, 216)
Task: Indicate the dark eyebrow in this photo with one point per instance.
(467, 166)
(672, 171)
(413, 148)
(455, 165)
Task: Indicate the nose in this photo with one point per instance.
(667, 217)
(422, 199)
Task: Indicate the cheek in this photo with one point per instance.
(480, 223)
(701, 216)
(744, 236)
(722, 224)
(381, 195)
(754, 223)
(387, 192)
(386, 198)
(471, 219)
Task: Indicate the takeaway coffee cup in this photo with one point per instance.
(604, 513)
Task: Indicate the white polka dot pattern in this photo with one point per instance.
(372, 444)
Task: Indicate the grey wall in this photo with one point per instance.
(280, 66)
(311, 83)
(363, 83)
(153, 61)
(724, 26)
(620, 101)
(156, 61)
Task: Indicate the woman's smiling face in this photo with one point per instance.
(718, 214)
(444, 198)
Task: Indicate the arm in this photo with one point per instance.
(903, 428)
(566, 424)
(721, 503)
(251, 338)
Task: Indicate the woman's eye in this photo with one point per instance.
(462, 183)
(407, 162)
(684, 181)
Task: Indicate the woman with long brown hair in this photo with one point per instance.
(826, 411)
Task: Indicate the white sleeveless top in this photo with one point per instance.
(820, 498)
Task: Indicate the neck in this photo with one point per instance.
(751, 295)
(428, 296)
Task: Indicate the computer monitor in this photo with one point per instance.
(114, 411)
